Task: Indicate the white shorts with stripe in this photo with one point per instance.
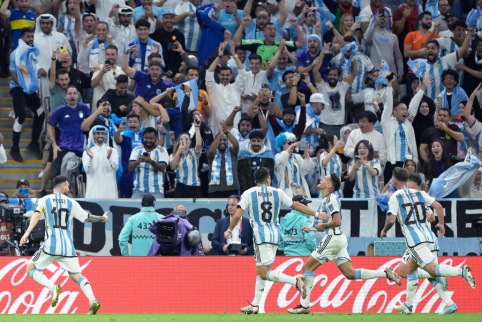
(423, 254)
(264, 254)
(432, 246)
(332, 247)
(41, 260)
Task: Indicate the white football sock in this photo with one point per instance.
(259, 289)
(39, 277)
(444, 295)
(412, 283)
(309, 280)
(85, 287)
(368, 274)
(280, 277)
(445, 270)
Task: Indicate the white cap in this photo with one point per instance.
(318, 98)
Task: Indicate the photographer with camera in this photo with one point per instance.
(241, 240)
(105, 78)
(23, 190)
(137, 229)
(166, 35)
(149, 161)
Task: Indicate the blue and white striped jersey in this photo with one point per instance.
(59, 212)
(365, 66)
(330, 204)
(401, 144)
(333, 166)
(366, 185)
(409, 207)
(146, 178)
(189, 26)
(263, 204)
(435, 71)
(69, 24)
(187, 169)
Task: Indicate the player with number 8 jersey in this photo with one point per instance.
(59, 212)
(263, 203)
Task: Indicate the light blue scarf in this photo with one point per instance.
(458, 95)
(109, 123)
(216, 168)
(345, 64)
(94, 53)
(285, 127)
(25, 61)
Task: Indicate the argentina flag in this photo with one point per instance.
(194, 94)
(454, 176)
(25, 65)
(417, 66)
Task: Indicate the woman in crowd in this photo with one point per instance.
(185, 162)
(438, 162)
(348, 27)
(70, 24)
(290, 167)
(425, 112)
(411, 167)
(330, 162)
(365, 170)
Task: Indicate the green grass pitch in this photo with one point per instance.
(243, 318)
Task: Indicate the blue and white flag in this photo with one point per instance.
(473, 17)
(417, 66)
(193, 103)
(25, 61)
(454, 176)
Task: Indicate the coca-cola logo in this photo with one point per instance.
(332, 292)
(23, 295)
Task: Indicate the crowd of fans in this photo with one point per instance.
(186, 99)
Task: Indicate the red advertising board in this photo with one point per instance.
(219, 284)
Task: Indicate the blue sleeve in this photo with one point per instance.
(124, 235)
(213, 25)
(138, 75)
(15, 14)
(54, 119)
(200, 10)
(62, 19)
(292, 33)
(86, 111)
(218, 238)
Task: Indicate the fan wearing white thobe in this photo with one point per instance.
(100, 164)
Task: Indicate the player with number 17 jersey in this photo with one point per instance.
(59, 212)
(409, 207)
(264, 204)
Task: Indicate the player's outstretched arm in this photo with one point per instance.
(93, 218)
(304, 209)
(389, 222)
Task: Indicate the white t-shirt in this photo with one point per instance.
(335, 113)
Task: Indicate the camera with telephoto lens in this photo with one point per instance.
(15, 214)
